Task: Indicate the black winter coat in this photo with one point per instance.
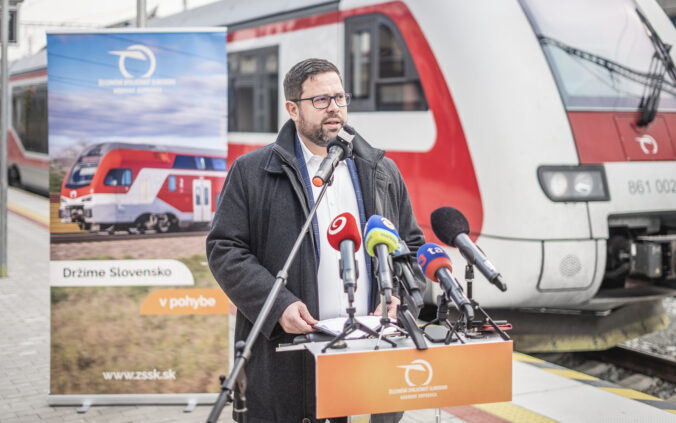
(261, 210)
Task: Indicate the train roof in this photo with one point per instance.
(106, 147)
(238, 14)
(27, 64)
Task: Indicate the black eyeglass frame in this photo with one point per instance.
(348, 97)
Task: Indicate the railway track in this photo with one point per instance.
(638, 361)
(104, 237)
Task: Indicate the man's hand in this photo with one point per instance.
(391, 308)
(297, 319)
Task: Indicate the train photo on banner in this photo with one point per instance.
(550, 125)
(137, 187)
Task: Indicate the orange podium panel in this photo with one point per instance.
(361, 380)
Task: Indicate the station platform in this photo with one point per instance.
(541, 391)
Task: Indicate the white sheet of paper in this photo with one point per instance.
(335, 326)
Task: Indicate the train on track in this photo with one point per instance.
(550, 125)
(140, 187)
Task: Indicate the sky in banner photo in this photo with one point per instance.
(166, 88)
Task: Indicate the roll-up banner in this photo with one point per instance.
(138, 157)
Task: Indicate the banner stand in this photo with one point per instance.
(86, 401)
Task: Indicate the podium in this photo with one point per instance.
(360, 380)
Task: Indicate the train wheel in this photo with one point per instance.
(164, 223)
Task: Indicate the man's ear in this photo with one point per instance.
(292, 110)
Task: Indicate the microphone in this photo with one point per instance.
(380, 239)
(437, 266)
(343, 235)
(338, 149)
(451, 227)
(402, 269)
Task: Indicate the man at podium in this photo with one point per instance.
(264, 203)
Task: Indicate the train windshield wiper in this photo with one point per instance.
(660, 64)
(653, 81)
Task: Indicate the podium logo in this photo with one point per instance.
(417, 371)
(137, 52)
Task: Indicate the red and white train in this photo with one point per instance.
(140, 187)
(526, 115)
(27, 159)
(523, 114)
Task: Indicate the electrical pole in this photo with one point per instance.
(4, 115)
(140, 13)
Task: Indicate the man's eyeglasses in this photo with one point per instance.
(322, 101)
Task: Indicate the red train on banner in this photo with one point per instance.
(140, 187)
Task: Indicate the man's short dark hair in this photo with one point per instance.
(293, 81)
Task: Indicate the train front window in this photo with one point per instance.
(81, 175)
(599, 53)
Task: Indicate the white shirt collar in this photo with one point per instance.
(307, 154)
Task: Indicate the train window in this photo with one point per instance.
(81, 175)
(118, 178)
(253, 90)
(29, 116)
(188, 162)
(198, 196)
(206, 196)
(172, 183)
(380, 72)
(361, 64)
(200, 163)
(214, 163)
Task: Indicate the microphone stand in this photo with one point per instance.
(385, 299)
(469, 278)
(404, 316)
(235, 384)
(410, 326)
(351, 324)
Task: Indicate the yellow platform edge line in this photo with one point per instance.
(571, 374)
(525, 358)
(29, 213)
(671, 411)
(630, 393)
(514, 413)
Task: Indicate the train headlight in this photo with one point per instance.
(574, 183)
(558, 184)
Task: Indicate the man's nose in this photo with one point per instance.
(333, 104)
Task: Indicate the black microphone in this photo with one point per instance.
(437, 267)
(338, 149)
(402, 269)
(451, 227)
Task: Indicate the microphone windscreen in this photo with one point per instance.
(401, 250)
(350, 130)
(448, 223)
(379, 230)
(431, 257)
(342, 227)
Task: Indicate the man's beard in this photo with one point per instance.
(316, 134)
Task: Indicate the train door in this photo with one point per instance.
(201, 200)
